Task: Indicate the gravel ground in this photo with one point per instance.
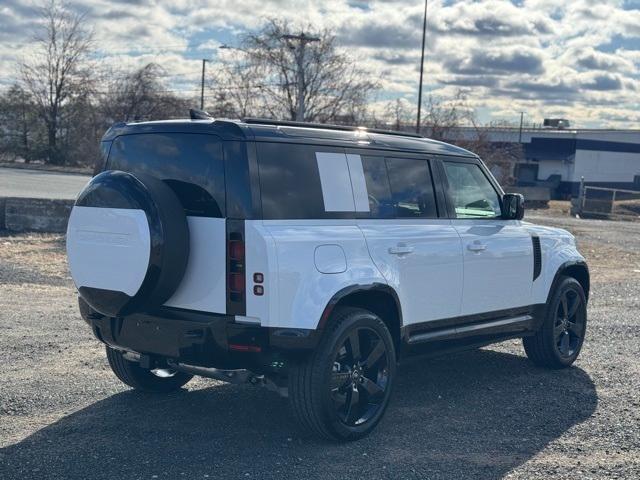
(482, 414)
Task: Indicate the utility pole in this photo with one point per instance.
(520, 133)
(302, 40)
(204, 61)
(424, 38)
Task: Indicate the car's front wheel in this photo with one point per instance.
(342, 390)
(152, 381)
(558, 342)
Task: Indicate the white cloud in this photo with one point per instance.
(580, 58)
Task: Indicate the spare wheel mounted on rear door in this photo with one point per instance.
(127, 243)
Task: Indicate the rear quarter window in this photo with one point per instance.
(191, 164)
(290, 184)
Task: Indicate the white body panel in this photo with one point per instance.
(302, 291)
(558, 247)
(428, 278)
(113, 241)
(498, 265)
(203, 286)
(260, 257)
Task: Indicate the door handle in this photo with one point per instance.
(401, 249)
(476, 247)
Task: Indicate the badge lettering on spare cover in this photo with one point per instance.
(105, 238)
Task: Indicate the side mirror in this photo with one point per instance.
(512, 206)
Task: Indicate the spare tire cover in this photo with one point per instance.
(127, 243)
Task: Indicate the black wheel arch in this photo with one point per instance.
(378, 298)
(577, 269)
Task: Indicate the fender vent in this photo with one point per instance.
(537, 257)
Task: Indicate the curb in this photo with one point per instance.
(34, 214)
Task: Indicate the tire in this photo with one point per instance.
(559, 340)
(340, 392)
(142, 379)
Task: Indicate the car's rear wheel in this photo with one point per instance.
(558, 342)
(152, 381)
(342, 390)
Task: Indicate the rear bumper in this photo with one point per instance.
(198, 338)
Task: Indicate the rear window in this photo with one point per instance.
(191, 164)
(411, 188)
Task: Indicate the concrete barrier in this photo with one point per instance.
(34, 214)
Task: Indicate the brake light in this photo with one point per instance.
(245, 348)
(236, 272)
(236, 282)
(236, 250)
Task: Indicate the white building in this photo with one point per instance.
(559, 158)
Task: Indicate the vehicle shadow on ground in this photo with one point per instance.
(478, 414)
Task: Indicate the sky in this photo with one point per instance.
(574, 59)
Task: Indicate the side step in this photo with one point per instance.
(504, 325)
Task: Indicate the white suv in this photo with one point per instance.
(310, 259)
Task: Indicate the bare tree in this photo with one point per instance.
(237, 86)
(398, 114)
(55, 70)
(334, 88)
(140, 95)
(18, 127)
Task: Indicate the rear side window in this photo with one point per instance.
(378, 190)
(411, 188)
(191, 164)
(291, 185)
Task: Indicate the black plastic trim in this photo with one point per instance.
(537, 257)
(345, 292)
(562, 268)
(453, 323)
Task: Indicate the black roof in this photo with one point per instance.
(261, 130)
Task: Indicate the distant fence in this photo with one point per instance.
(607, 202)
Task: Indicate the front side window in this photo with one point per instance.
(472, 194)
(411, 188)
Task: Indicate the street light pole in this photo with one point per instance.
(204, 61)
(302, 40)
(424, 38)
(520, 132)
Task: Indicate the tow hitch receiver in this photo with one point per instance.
(230, 376)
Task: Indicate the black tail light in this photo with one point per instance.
(236, 268)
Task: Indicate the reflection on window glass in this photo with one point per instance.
(192, 165)
(472, 193)
(290, 183)
(375, 175)
(411, 188)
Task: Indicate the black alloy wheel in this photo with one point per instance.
(360, 376)
(559, 340)
(341, 391)
(569, 325)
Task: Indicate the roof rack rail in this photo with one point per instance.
(326, 126)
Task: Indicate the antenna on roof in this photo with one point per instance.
(199, 115)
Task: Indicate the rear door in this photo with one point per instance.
(417, 251)
(498, 254)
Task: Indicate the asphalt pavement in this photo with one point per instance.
(16, 182)
(484, 414)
